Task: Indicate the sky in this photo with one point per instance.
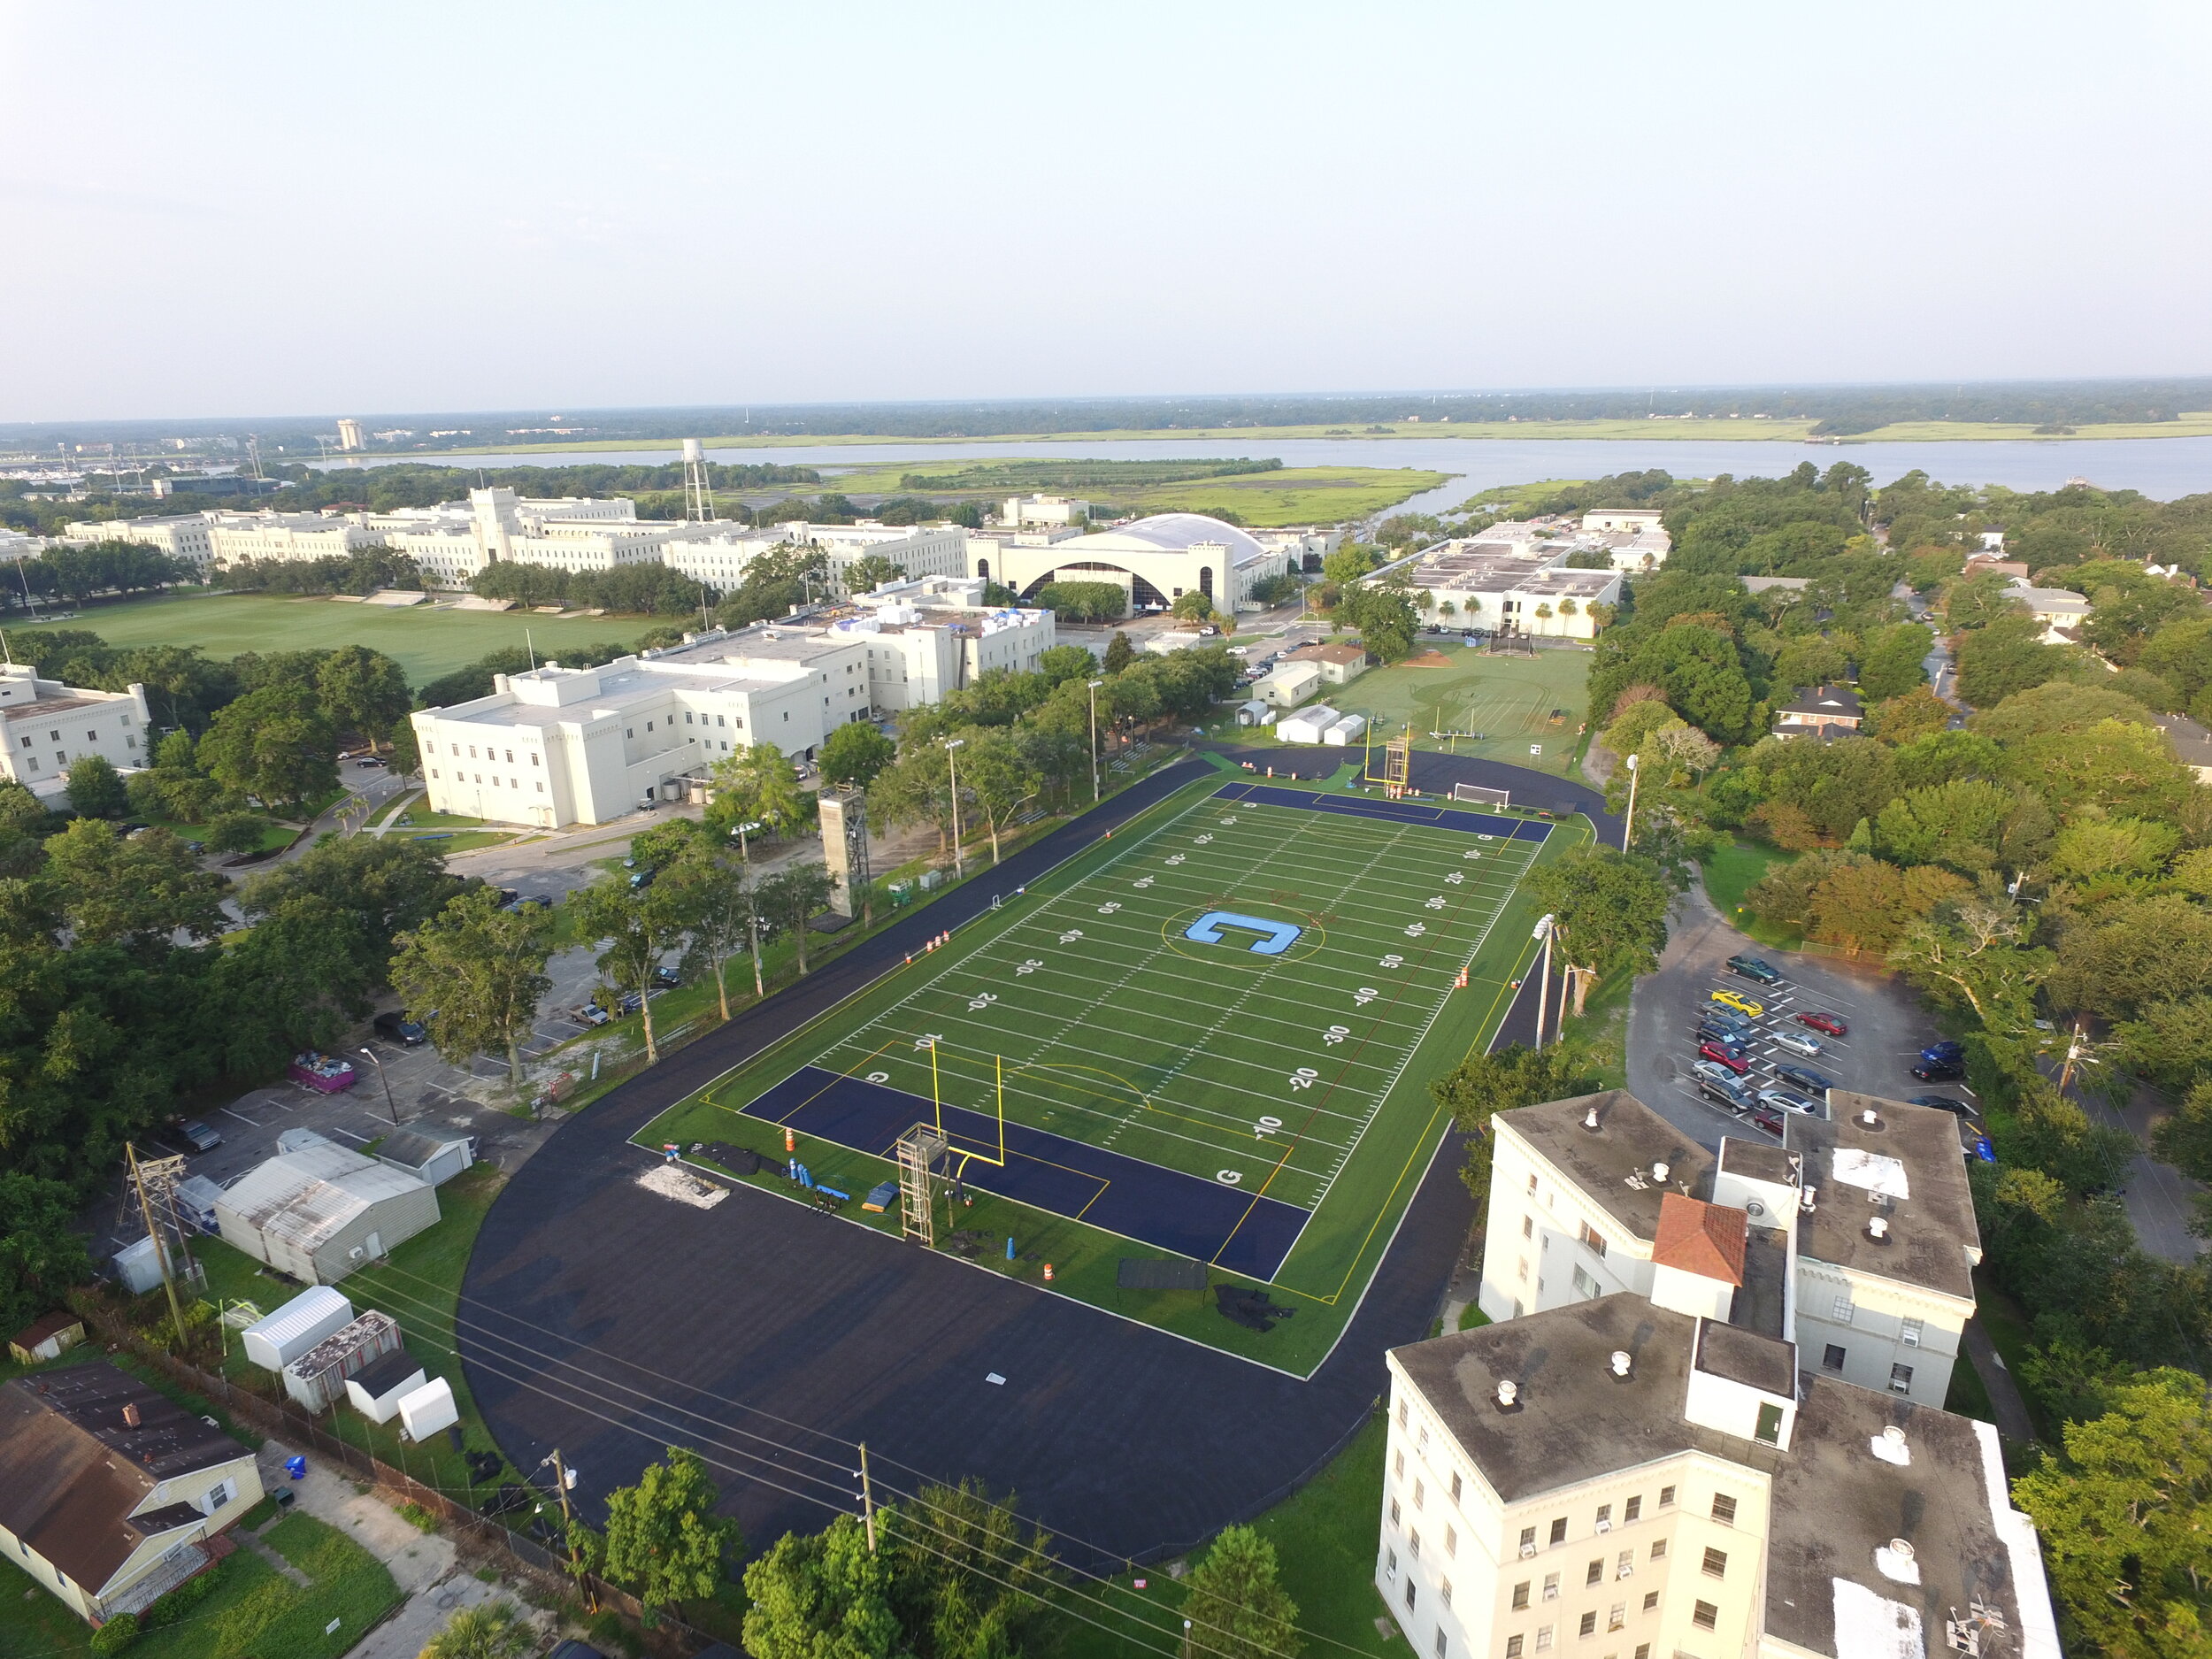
(262, 209)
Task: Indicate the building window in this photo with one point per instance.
(1908, 1333)
(1841, 1309)
(1444, 1589)
(1723, 1508)
(1455, 1486)
(1651, 1600)
(1551, 1586)
(1643, 1650)
(1520, 1596)
(1666, 1496)
(1659, 1549)
(1439, 1630)
(34, 762)
(1512, 1648)
(1451, 1540)
(1831, 1357)
(1589, 1624)
(1618, 1617)
(1413, 1543)
(1594, 1573)
(1625, 1564)
(433, 772)
(1559, 1531)
(1593, 1239)
(1411, 1587)
(1705, 1616)
(1396, 1514)
(1900, 1379)
(1543, 1638)
(1633, 1508)
(1420, 1494)
(1390, 1564)
(533, 757)
(1398, 1458)
(1524, 1274)
(1528, 1537)
(1531, 1182)
(1605, 1513)
(1716, 1564)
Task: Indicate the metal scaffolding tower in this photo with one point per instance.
(919, 1149)
(1398, 765)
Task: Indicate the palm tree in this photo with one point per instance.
(490, 1631)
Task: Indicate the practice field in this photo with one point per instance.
(424, 642)
(1211, 1042)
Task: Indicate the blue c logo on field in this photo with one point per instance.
(1277, 936)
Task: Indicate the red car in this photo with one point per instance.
(1719, 1052)
(1827, 1022)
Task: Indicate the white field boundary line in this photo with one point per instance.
(807, 1025)
(1399, 1074)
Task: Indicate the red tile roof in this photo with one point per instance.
(1696, 1237)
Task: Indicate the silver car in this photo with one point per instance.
(1795, 1042)
(1785, 1103)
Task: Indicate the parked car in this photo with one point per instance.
(1783, 1100)
(1734, 1036)
(1740, 1003)
(1827, 1024)
(1939, 1070)
(667, 976)
(1810, 1081)
(1729, 1095)
(199, 1136)
(1766, 1118)
(1797, 1042)
(1728, 1017)
(375, 763)
(632, 1001)
(1724, 1054)
(643, 879)
(591, 1014)
(396, 1027)
(1942, 1104)
(1753, 968)
(1945, 1052)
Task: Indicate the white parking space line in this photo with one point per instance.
(241, 1117)
(348, 1134)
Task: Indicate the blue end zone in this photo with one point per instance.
(1204, 1220)
(1518, 829)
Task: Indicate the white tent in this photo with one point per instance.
(1306, 725)
(1350, 729)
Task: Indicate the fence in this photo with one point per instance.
(524, 1557)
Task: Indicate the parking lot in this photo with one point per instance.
(1885, 1028)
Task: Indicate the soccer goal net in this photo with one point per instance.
(1477, 792)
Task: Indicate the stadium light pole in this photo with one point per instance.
(1628, 830)
(1543, 984)
(1092, 694)
(952, 767)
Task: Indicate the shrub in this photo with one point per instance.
(170, 1608)
(117, 1634)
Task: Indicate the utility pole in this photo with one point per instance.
(564, 1477)
(1628, 830)
(752, 912)
(1094, 685)
(867, 1498)
(161, 1245)
(1543, 984)
(952, 766)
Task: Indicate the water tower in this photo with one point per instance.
(698, 494)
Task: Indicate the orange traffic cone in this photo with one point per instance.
(790, 1140)
(1047, 1272)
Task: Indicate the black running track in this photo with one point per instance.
(1423, 812)
(1245, 1232)
(611, 1323)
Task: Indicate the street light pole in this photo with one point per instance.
(1092, 694)
(752, 912)
(387, 1082)
(1628, 830)
(952, 766)
(1543, 984)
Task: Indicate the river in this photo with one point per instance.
(2160, 467)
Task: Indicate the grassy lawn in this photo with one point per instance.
(1734, 871)
(1326, 1538)
(1297, 494)
(1211, 1098)
(1507, 699)
(254, 1609)
(424, 642)
(420, 1288)
(274, 835)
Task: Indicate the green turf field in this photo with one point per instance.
(1302, 1077)
(426, 642)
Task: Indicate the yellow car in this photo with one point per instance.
(1743, 1005)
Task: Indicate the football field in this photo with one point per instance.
(1211, 1042)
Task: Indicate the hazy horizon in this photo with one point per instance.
(409, 210)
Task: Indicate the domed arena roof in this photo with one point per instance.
(1172, 532)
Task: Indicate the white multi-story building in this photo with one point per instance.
(1628, 1476)
(1857, 1233)
(1021, 510)
(44, 726)
(452, 542)
(1494, 586)
(1155, 560)
(1630, 520)
(184, 536)
(559, 745)
(233, 536)
(938, 549)
(929, 636)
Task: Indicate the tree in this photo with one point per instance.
(1348, 564)
(235, 832)
(855, 753)
(640, 925)
(2124, 1516)
(1386, 620)
(1236, 1608)
(1192, 607)
(96, 789)
(664, 1541)
(1977, 962)
(274, 745)
(481, 970)
(870, 572)
(135, 892)
(1487, 1084)
(1608, 914)
(793, 896)
(41, 1254)
(997, 775)
(1084, 602)
(490, 1630)
(823, 1595)
(364, 691)
(1119, 652)
(754, 785)
(1906, 718)
(968, 1579)
(708, 888)
(2006, 657)
(1892, 661)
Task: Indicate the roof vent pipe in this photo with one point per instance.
(1659, 1172)
(1806, 1197)
(1877, 1229)
(1620, 1362)
(1901, 1547)
(1870, 1118)
(1509, 1393)
(1590, 1119)
(1893, 1438)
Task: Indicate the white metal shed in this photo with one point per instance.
(277, 1340)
